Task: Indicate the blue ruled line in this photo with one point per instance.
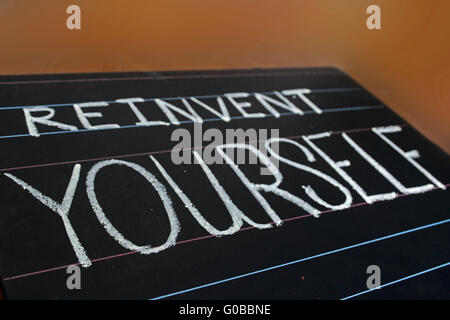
(399, 280)
(344, 109)
(325, 90)
(302, 260)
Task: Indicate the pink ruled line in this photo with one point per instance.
(156, 152)
(24, 275)
(134, 252)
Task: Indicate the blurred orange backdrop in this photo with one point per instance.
(405, 64)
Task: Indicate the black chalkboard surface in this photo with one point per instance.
(103, 197)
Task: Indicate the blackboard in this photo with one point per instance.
(324, 120)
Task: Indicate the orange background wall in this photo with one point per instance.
(406, 63)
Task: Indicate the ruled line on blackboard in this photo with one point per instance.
(163, 77)
(209, 96)
(360, 244)
(399, 280)
(130, 155)
(342, 109)
(29, 274)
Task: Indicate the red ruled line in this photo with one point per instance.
(24, 275)
(156, 152)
